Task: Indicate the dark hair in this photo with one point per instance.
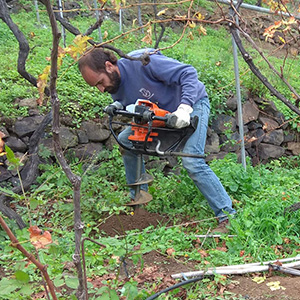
(95, 59)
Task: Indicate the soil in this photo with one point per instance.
(159, 265)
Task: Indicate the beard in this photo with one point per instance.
(115, 79)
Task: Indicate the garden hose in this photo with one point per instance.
(174, 287)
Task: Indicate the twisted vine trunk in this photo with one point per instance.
(74, 179)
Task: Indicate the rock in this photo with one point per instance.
(212, 143)
(16, 144)
(47, 144)
(231, 103)
(3, 133)
(275, 137)
(88, 151)
(82, 137)
(268, 124)
(290, 137)
(95, 132)
(213, 156)
(68, 138)
(29, 102)
(230, 144)
(266, 151)
(269, 107)
(223, 123)
(294, 147)
(254, 125)
(254, 138)
(250, 112)
(110, 142)
(4, 174)
(27, 125)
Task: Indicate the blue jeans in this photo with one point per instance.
(204, 178)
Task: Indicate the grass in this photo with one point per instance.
(260, 194)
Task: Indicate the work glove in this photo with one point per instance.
(111, 109)
(181, 117)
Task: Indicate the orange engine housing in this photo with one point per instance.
(140, 133)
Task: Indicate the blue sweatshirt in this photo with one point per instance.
(164, 81)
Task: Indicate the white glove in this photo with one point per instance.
(183, 115)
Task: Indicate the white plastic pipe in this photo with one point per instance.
(239, 269)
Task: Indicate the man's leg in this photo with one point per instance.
(130, 160)
(204, 178)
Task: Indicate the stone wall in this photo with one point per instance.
(267, 136)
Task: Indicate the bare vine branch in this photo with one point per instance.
(73, 178)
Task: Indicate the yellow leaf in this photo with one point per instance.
(282, 39)
(275, 285)
(133, 22)
(162, 12)
(192, 24)
(190, 36)
(258, 279)
(41, 84)
(105, 35)
(201, 30)
(80, 42)
(198, 16)
(180, 17)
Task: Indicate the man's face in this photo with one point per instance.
(115, 81)
(104, 81)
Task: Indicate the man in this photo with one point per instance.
(173, 86)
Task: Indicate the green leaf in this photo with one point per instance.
(34, 203)
(7, 286)
(26, 290)
(109, 295)
(71, 282)
(22, 276)
(11, 156)
(58, 281)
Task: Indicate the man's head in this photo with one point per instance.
(99, 68)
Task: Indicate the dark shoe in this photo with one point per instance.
(222, 228)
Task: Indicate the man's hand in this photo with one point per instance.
(111, 109)
(181, 117)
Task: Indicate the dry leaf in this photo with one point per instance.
(1, 142)
(202, 252)
(223, 249)
(38, 238)
(170, 251)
